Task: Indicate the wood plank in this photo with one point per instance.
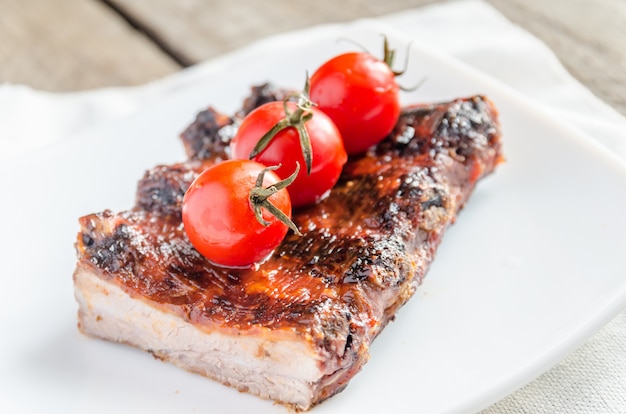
(199, 31)
(74, 45)
(86, 44)
(588, 37)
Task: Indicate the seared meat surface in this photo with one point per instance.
(325, 295)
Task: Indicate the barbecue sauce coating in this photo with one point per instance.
(363, 252)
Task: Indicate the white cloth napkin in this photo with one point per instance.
(593, 378)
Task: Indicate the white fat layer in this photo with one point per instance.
(278, 365)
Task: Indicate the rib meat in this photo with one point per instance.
(298, 327)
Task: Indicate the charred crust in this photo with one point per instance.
(111, 253)
(348, 345)
(380, 264)
(467, 127)
(86, 240)
(207, 137)
(398, 193)
(359, 244)
(162, 189)
(461, 128)
(262, 94)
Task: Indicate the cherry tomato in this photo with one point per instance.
(328, 153)
(360, 94)
(219, 218)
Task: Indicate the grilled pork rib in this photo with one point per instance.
(298, 327)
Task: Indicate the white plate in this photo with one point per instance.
(534, 265)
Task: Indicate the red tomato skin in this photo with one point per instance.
(360, 94)
(219, 220)
(329, 155)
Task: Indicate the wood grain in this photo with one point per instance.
(199, 32)
(74, 45)
(588, 37)
(80, 44)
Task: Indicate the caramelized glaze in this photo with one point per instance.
(363, 252)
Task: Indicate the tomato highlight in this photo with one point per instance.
(359, 93)
(226, 216)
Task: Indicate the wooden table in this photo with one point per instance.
(70, 45)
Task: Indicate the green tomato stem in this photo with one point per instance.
(296, 119)
(259, 198)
